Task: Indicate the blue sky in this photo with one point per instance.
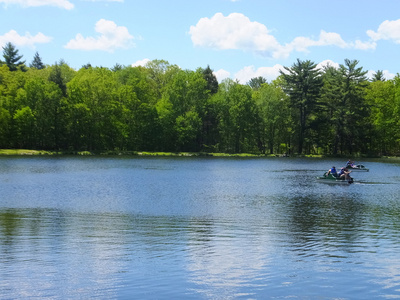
(239, 39)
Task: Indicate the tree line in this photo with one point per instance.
(160, 107)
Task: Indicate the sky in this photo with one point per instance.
(238, 39)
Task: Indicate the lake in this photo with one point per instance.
(197, 228)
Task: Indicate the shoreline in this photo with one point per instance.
(30, 152)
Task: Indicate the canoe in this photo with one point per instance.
(334, 180)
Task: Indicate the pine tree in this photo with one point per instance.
(11, 57)
(37, 62)
(302, 82)
(378, 76)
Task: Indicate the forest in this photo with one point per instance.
(161, 107)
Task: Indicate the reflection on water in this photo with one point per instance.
(196, 229)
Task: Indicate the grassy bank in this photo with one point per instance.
(21, 152)
(18, 152)
(27, 152)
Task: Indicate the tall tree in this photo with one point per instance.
(343, 94)
(37, 62)
(94, 97)
(161, 72)
(331, 95)
(354, 83)
(11, 57)
(61, 74)
(238, 118)
(384, 117)
(302, 82)
(181, 109)
(212, 82)
(275, 116)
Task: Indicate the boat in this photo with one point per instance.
(357, 168)
(329, 178)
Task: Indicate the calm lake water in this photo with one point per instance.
(197, 228)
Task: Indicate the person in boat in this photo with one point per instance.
(344, 173)
(332, 171)
(350, 164)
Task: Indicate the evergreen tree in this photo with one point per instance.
(117, 67)
(355, 129)
(378, 76)
(56, 77)
(302, 82)
(212, 82)
(37, 62)
(256, 82)
(11, 57)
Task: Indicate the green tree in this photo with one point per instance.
(87, 66)
(5, 122)
(117, 67)
(11, 97)
(37, 62)
(212, 82)
(139, 121)
(238, 118)
(347, 112)
(25, 124)
(44, 98)
(61, 74)
(355, 114)
(161, 72)
(187, 127)
(273, 108)
(378, 76)
(256, 82)
(185, 92)
(139, 81)
(11, 57)
(331, 97)
(302, 82)
(384, 116)
(93, 95)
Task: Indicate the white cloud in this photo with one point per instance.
(141, 63)
(35, 3)
(26, 40)
(236, 31)
(111, 37)
(387, 75)
(388, 30)
(326, 63)
(221, 74)
(364, 45)
(302, 44)
(269, 73)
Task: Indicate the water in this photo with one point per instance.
(196, 228)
